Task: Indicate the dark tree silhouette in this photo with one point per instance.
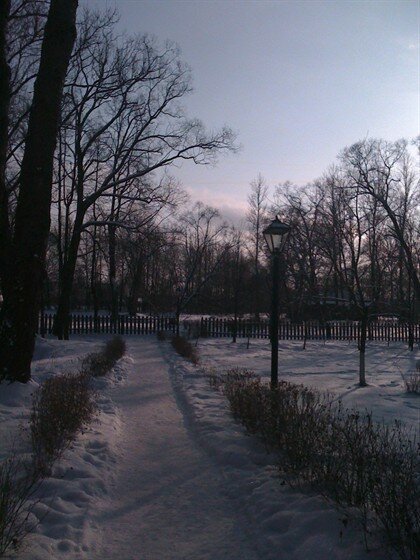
(4, 124)
(27, 248)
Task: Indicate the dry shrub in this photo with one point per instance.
(412, 382)
(240, 375)
(115, 348)
(61, 407)
(185, 348)
(299, 423)
(99, 363)
(245, 394)
(17, 486)
(214, 378)
(347, 456)
(395, 498)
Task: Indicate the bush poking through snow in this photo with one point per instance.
(185, 348)
(61, 407)
(115, 348)
(214, 378)
(412, 382)
(161, 336)
(17, 486)
(64, 404)
(345, 454)
(99, 363)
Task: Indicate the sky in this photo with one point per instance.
(296, 80)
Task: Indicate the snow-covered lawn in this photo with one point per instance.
(331, 367)
(165, 473)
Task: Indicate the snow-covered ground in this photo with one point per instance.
(65, 501)
(333, 367)
(164, 473)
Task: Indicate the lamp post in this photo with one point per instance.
(275, 236)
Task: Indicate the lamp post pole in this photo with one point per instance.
(275, 236)
(275, 261)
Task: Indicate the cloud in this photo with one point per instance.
(231, 208)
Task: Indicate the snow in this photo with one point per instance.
(165, 472)
(64, 502)
(167, 498)
(332, 367)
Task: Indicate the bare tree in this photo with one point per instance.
(349, 213)
(257, 218)
(204, 247)
(22, 32)
(19, 314)
(123, 124)
(237, 267)
(301, 208)
(381, 170)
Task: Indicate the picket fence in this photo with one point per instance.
(103, 324)
(222, 328)
(312, 330)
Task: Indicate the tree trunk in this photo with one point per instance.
(4, 123)
(177, 316)
(19, 315)
(135, 288)
(113, 272)
(362, 349)
(235, 319)
(62, 319)
(257, 291)
(236, 288)
(93, 284)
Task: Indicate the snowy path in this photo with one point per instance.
(168, 501)
(167, 474)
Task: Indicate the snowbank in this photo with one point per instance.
(62, 506)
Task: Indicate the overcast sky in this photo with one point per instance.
(297, 80)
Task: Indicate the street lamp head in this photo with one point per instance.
(275, 235)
